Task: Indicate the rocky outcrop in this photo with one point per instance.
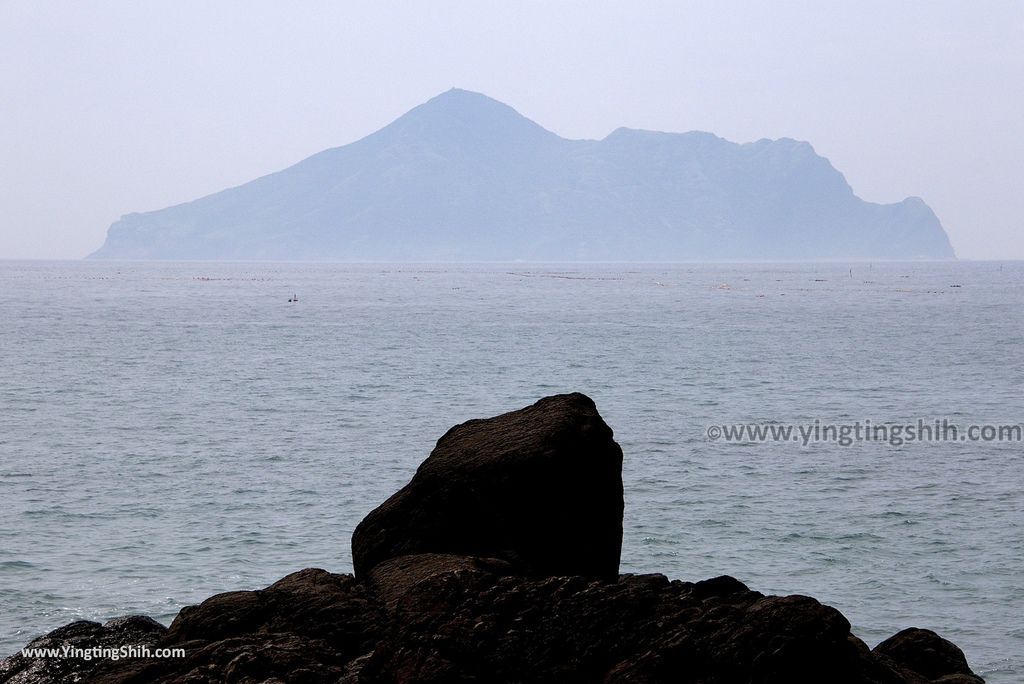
(540, 488)
(639, 628)
(490, 609)
(925, 653)
(80, 645)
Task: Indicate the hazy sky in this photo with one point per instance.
(114, 107)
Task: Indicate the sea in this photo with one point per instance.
(169, 431)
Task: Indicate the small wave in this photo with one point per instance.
(1001, 667)
(16, 565)
(657, 540)
(939, 581)
(66, 515)
(858, 536)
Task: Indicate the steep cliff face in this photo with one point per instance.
(464, 177)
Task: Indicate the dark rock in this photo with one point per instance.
(540, 488)
(311, 602)
(401, 583)
(135, 631)
(929, 655)
(638, 629)
(719, 586)
(524, 492)
(466, 621)
(306, 627)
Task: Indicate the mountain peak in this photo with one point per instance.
(463, 94)
(458, 112)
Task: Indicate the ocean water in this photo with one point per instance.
(169, 431)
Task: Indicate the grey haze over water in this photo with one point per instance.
(173, 430)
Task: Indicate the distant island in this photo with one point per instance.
(464, 177)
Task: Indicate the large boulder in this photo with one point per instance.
(540, 488)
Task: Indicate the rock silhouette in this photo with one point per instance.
(497, 599)
(540, 488)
